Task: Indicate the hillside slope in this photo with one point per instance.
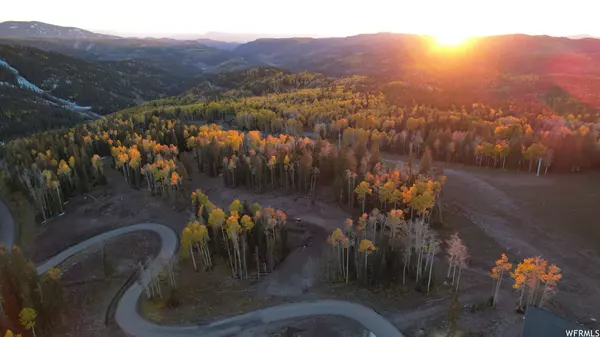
(105, 86)
(45, 30)
(400, 55)
(181, 58)
(25, 108)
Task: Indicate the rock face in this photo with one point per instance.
(40, 29)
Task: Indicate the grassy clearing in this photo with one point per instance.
(203, 296)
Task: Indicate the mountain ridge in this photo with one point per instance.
(22, 29)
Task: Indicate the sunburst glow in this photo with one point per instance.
(450, 40)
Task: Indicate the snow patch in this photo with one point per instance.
(7, 84)
(23, 83)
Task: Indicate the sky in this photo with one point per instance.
(447, 18)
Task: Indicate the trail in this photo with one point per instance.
(131, 322)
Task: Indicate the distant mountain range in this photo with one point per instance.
(582, 36)
(108, 73)
(41, 29)
(238, 38)
(35, 29)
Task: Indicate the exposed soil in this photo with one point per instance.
(316, 326)
(104, 208)
(90, 283)
(204, 296)
(553, 216)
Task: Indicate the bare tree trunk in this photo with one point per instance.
(257, 263)
(453, 273)
(497, 290)
(458, 279)
(347, 259)
(521, 297)
(404, 269)
(430, 270)
(193, 257)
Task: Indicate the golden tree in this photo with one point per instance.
(530, 275)
(27, 318)
(497, 273)
(362, 190)
(366, 247)
(216, 219)
(233, 233)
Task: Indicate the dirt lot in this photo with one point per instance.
(493, 211)
(205, 296)
(552, 216)
(90, 283)
(106, 207)
(317, 326)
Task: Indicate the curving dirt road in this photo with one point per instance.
(129, 319)
(7, 226)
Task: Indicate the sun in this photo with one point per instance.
(450, 40)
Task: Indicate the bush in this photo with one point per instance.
(481, 305)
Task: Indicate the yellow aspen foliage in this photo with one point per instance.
(366, 246)
(385, 191)
(63, 168)
(134, 157)
(233, 226)
(422, 202)
(54, 274)
(407, 194)
(174, 179)
(216, 218)
(552, 277)
(122, 158)
(281, 217)
(336, 237)
(524, 272)
(9, 333)
(247, 223)
(362, 190)
(501, 264)
(27, 318)
(186, 237)
(235, 206)
(362, 222)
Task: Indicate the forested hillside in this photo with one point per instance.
(103, 86)
(403, 55)
(517, 73)
(387, 114)
(45, 30)
(182, 58)
(106, 87)
(24, 111)
(254, 81)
